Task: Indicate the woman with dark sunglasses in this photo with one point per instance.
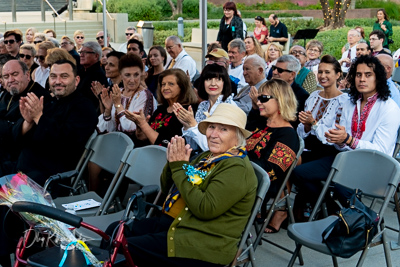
(322, 112)
(274, 143)
(27, 53)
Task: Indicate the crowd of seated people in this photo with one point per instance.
(53, 98)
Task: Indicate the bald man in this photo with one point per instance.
(387, 62)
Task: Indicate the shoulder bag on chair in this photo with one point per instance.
(354, 229)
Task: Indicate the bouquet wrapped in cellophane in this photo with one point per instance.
(19, 187)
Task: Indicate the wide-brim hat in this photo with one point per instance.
(226, 114)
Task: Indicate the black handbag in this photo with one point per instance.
(353, 230)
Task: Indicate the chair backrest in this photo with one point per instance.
(263, 180)
(109, 150)
(353, 168)
(262, 188)
(397, 146)
(145, 164)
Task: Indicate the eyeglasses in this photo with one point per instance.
(170, 47)
(25, 56)
(80, 37)
(280, 70)
(100, 37)
(295, 52)
(39, 57)
(352, 35)
(313, 50)
(128, 34)
(264, 98)
(9, 41)
(35, 42)
(87, 52)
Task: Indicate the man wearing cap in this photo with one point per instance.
(237, 52)
(220, 57)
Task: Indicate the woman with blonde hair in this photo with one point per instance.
(79, 38)
(252, 46)
(271, 53)
(39, 37)
(274, 143)
(29, 35)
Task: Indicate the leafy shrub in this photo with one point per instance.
(136, 9)
(391, 8)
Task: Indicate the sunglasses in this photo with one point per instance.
(280, 70)
(9, 41)
(258, 18)
(37, 42)
(128, 34)
(40, 57)
(264, 98)
(100, 37)
(80, 37)
(25, 56)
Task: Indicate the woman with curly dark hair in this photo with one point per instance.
(370, 119)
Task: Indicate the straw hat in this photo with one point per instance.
(218, 53)
(227, 114)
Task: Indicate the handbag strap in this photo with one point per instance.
(329, 228)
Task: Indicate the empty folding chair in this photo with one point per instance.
(376, 175)
(109, 151)
(143, 166)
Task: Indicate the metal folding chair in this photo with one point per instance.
(245, 251)
(279, 202)
(109, 151)
(143, 166)
(373, 172)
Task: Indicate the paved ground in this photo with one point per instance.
(269, 255)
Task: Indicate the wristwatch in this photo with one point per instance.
(314, 125)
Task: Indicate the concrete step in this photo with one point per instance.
(29, 5)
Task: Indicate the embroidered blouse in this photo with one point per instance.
(326, 112)
(142, 100)
(274, 149)
(373, 127)
(192, 135)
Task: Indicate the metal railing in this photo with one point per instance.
(111, 18)
(55, 12)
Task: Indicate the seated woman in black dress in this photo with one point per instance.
(173, 87)
(274, 143)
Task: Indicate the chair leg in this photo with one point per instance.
(294, 256)
(393, 244)
(334, 260)
(386, 249)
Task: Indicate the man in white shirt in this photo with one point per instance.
(236, 52)
(128, 34)
(180, 59)
(353, 36)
